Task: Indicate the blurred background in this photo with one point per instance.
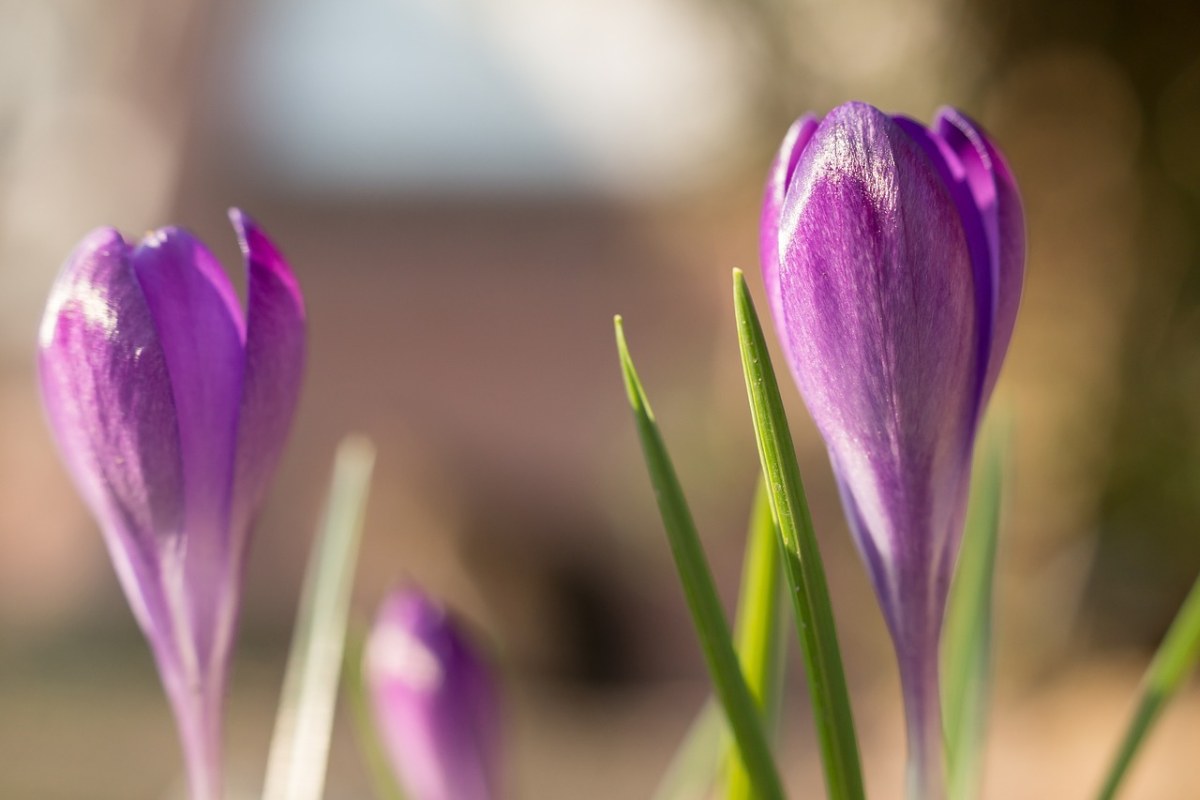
(468, 191)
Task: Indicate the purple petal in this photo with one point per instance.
(153, 379)
(200, 331)
(108, 389)
(878, 305)
(107, 392)
(275, 350)
(901, 258)
(995, 192)
(954, 177)
(433, 702)
(879, 569)
(778, 178)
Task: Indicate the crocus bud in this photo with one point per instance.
(432, 701)
(893, 256)
(171, 408)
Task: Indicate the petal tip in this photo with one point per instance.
(948, 113)
(165, 236)
(97, 243)
(261, 253)
(243, 225)
(103, 236)
(794, 143)
(78, 274)
(856, 112)
(861, 126)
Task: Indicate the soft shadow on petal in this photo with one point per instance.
(275, 355)
(200, 331)
(996, 193)
(881, 569)
(977, 223)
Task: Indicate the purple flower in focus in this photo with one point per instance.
(433, 702)
(893, 257)
(171, 408)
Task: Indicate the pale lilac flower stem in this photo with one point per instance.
(200, 738)
(923, 710)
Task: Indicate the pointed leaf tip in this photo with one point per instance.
(700, 592)
(619, 330)
(803, 569)
(633, 384)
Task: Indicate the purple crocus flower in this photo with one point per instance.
(893, 257)
(433, 702)
(171, 408)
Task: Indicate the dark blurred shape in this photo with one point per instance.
(1148, 506)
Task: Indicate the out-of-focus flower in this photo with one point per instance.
(433, 702)
(893, 257)
(171, 408)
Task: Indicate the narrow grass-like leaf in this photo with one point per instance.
(745, 721)
(300, 747)
(801, 558)
(693, 769)
(370, 747)
(967, 636)
(758, 631)
(1172, 664)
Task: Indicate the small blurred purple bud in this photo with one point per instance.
(893, 256)
(433, 702)
(171, 408)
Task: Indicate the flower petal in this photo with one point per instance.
(995, 193)
(954, 177)
(107, 392)
(878, 304)
(200, 332)
(778, 178)
(275, 354)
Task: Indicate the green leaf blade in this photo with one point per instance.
(742, 713)
(967, 635)
(299, 750)
(1174, 661)
(758, 631)
(761, 646)
(801, 558)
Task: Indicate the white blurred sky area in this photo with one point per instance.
(493, 95)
